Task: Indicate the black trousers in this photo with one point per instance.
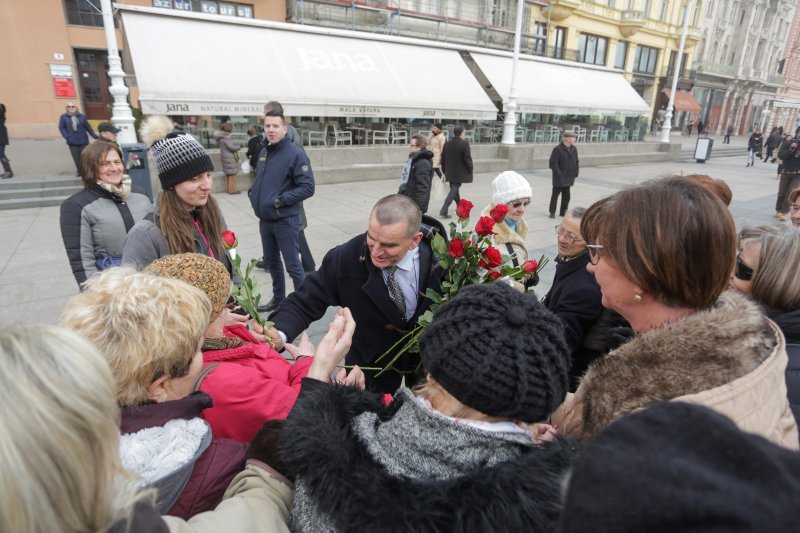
(452, 195)
(564, 192)
(75, 151)
(438, 171)
(305, 254)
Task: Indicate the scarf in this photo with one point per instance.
(74, 122)
(123, 190)
(406, 172)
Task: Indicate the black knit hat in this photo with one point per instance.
(498, 351)
(179, 157)
(682, 467)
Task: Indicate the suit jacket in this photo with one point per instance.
(457, 161)
(347, 278)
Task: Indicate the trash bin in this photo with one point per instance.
(137, 167)
(702, 150)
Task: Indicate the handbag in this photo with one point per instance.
(245, 166)
(439, 188)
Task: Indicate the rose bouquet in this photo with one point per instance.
(468, 259)
(247, 295)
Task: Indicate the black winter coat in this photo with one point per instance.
(755, 142)
(789, 156)
(565, 165)
(418, 187)
(457, 161)
(789, 323)
(347, 278)
(3, 129)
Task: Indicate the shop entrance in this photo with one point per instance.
(94, 83)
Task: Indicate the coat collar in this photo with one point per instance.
(705, 350)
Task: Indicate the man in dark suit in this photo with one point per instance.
(457, 167)
(381, 276)
(565, 167)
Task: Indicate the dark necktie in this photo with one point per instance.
(395, 292)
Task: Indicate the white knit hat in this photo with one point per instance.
(508, 186)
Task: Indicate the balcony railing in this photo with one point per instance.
(684, 74)
(633, 16)
(716, 68)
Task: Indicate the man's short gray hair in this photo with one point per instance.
(398, 208)
(577, 212)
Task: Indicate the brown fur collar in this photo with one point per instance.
(703, 351)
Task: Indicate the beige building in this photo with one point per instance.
(55, 52)
(639, 37)
(786, 110)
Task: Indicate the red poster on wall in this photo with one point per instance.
(64, 87)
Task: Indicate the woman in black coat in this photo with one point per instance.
(7, 173)
(766, 270)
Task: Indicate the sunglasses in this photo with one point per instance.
(742, 272)
(516, 205)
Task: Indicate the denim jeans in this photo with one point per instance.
(281, 238)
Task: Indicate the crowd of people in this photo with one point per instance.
(656, 386)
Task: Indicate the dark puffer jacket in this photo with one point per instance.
(418, 187)
(789, 323)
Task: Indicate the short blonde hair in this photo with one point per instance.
(59, 448)
(146, 326)
(776, 279)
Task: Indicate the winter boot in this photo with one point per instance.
(7, 168)
(230, 182)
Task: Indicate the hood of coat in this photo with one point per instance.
(700, 352)
(423, 153)
(342, 481)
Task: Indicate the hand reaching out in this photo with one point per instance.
(333, 346)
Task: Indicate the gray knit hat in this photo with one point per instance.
(179, 157)
(498, 351)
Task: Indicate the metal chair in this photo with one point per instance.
(380, 133)
(581, 135)
(469, 135)
(398, 134)
(339, 135)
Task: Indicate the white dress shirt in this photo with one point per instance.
(407, 276)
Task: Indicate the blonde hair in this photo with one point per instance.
(776, 279)
(146, 326)
(59, 447)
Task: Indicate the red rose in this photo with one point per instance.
(484, 226)
(491, 258)
(463, 208)
(456, 248)
(499, 213)
(530, 266)
(229, 239)
(494, 274)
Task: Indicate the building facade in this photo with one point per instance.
(786, 110)
(738, 62)
(55, 52)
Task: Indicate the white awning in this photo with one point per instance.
(194, 64)
(555, 88)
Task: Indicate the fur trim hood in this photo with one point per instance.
(726, 357)
(342, 485)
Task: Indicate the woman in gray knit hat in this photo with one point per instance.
(463, 451)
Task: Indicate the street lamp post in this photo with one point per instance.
(665, 129)
(510, 122)
(121, 114)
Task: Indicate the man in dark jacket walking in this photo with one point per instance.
(789, 153)
(565, 166)
(457, 167)
(415, 182)
(283, 180)
(74, 128)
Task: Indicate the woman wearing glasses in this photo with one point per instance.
(511, 190)
(765, 271)
(662, 253)
(575, 296)
(96, 220)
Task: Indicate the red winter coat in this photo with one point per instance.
(252, 384)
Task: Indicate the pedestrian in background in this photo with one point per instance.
(457, 167)
(754, 145)
(565, 166)
(229, 156)
(107, 133)
(435, 145)
(689, 128)
(76, 130)
(7, 173)
(772, 143)
(700, 127)
(728, 133)
(253, 147)
(789, 154)
(415, 181)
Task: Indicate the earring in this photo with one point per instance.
(637, 298)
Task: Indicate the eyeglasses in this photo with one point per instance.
(516, 205)
(571, 236)
(70, 106)
(594, 252)
(743, 272)
(794, 208)
(414, 145)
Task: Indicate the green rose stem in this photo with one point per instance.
(247, 295)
